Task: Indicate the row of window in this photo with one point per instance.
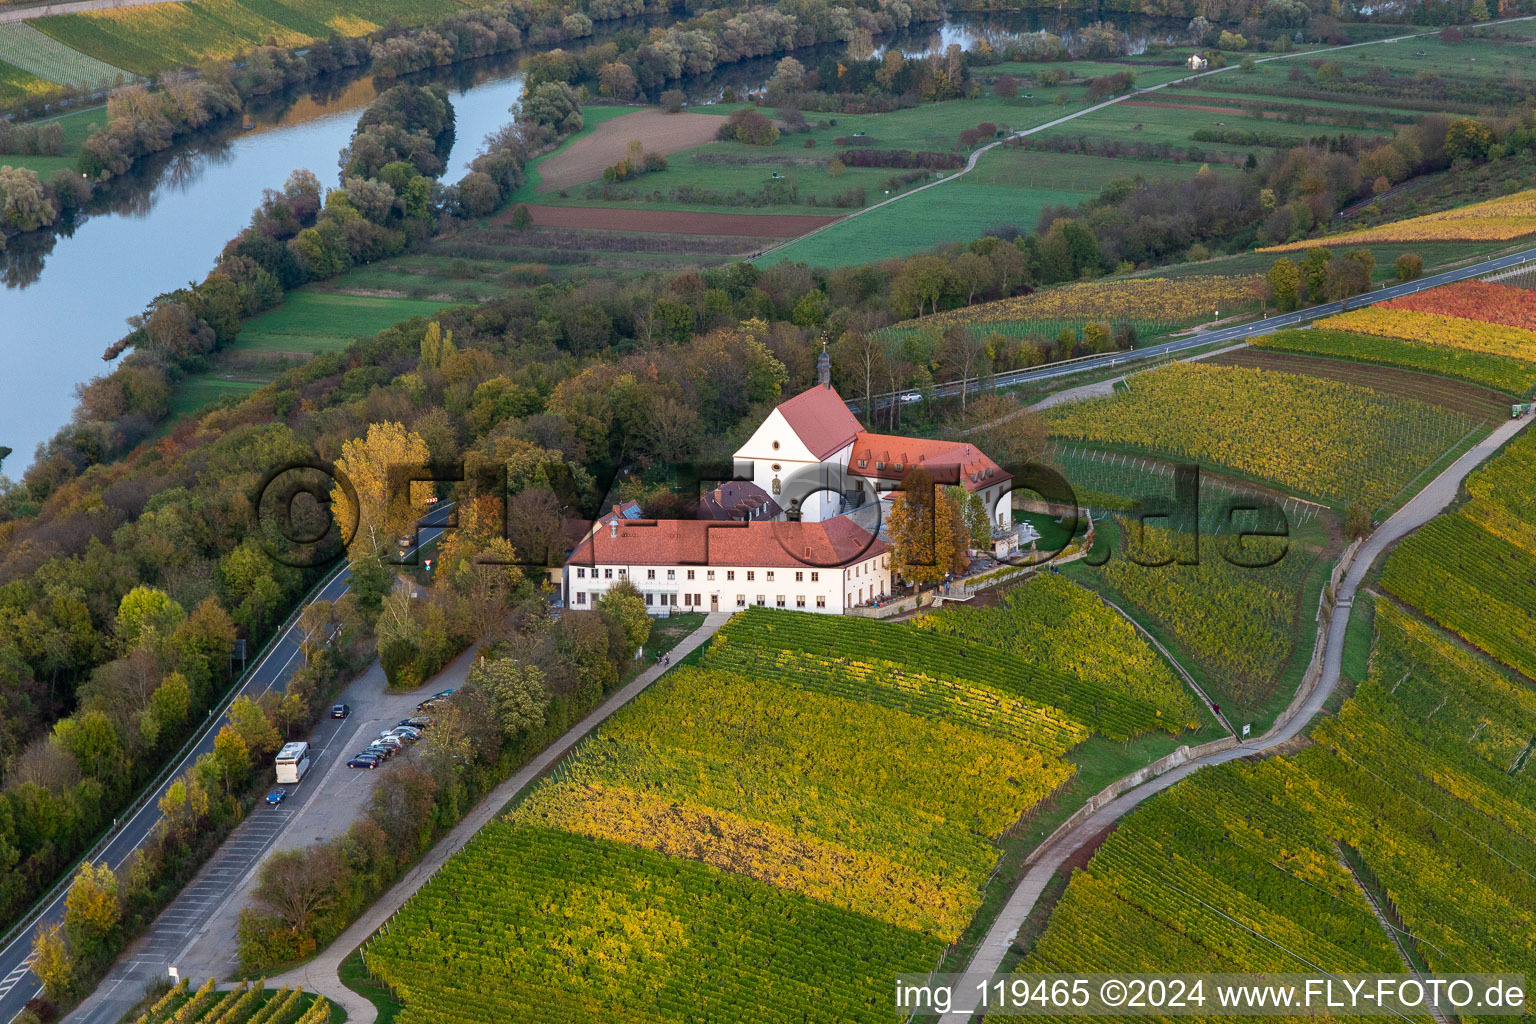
(709, 574)
(697, 600)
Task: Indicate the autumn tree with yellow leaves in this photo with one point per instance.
(379, 510)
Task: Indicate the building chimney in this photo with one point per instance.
(824, 367)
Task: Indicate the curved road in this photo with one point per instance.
(17, 982)
(1423, 507)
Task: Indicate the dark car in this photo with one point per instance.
(277, 795)
(364, 761)
(428, 704)
(418, 722)
(380, 751)
(340, 710)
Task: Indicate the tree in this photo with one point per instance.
(522, 218)
(315, 623)
(978, 520)
(383, 508)
(24, 202)
(964, 353)
(436, 346)
(52, 964)
(1409, 266)
(1006, 87)
(1007, 431)
(672, 101)
(624, 603)
(1357, 520)
(927, 530)
(1466, 139)
(516, 691)
(617, 80)
(91, 910)
(1284, 284)
(256, 731)
(1314, 271)
(169, 707)
(299, 884)
(146, 614)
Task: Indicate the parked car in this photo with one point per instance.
(389, 741)
(910, 397)
(418, 722)
(428, 704)
(365, 760)
(380, 751)
(443, 694)
(340, 710)
(277, 795)
(405, 732)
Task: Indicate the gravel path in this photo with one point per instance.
(1423, 507)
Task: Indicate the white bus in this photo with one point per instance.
(292, 762)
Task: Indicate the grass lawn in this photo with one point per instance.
(355, 976)
(205, 389)
(312, 321)
(952, 212)
(76, 127)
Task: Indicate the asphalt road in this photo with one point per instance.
(17, 982)
(1241, 332)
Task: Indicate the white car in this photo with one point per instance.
(910, 397)
(405, 732)
(390, 740)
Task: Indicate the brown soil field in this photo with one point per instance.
(674, 222)
(585, 159)
(1424, 387)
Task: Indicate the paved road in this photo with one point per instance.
(17, 982)
(320, 974)
(1238, 333)
(1419, 510)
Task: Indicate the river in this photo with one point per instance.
(69, 295)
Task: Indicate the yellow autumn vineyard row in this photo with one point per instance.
(1148, 298)
(1497, 220)
(1436, 329)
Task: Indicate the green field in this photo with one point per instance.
(16, 84)
(195, 392)
(311, 321)
(25, 47)
(147, 40)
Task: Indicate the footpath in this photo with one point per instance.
(1423, 507)
(322, 974)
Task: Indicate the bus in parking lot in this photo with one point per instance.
(292, 762)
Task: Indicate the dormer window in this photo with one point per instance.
(879, 465)
(863, 463)
(897, 467)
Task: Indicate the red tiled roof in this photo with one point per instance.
(832, 543)
(737, 499)
(975, 468)
(821, 419)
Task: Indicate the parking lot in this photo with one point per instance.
(196, 933)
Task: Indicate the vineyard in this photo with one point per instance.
(1116, 480)
(1474, 300)
(1238, 868)
(1497, 220)
(1502, 373)
(24, 47)
(1425, 773)
(1148, 299)
(147, 40)
(16, 84)
(1336, 441)
(244, 1004)
(771, 833)
(1053, 622)
(1472, 571)
(1435, 329)
(1238, 624)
